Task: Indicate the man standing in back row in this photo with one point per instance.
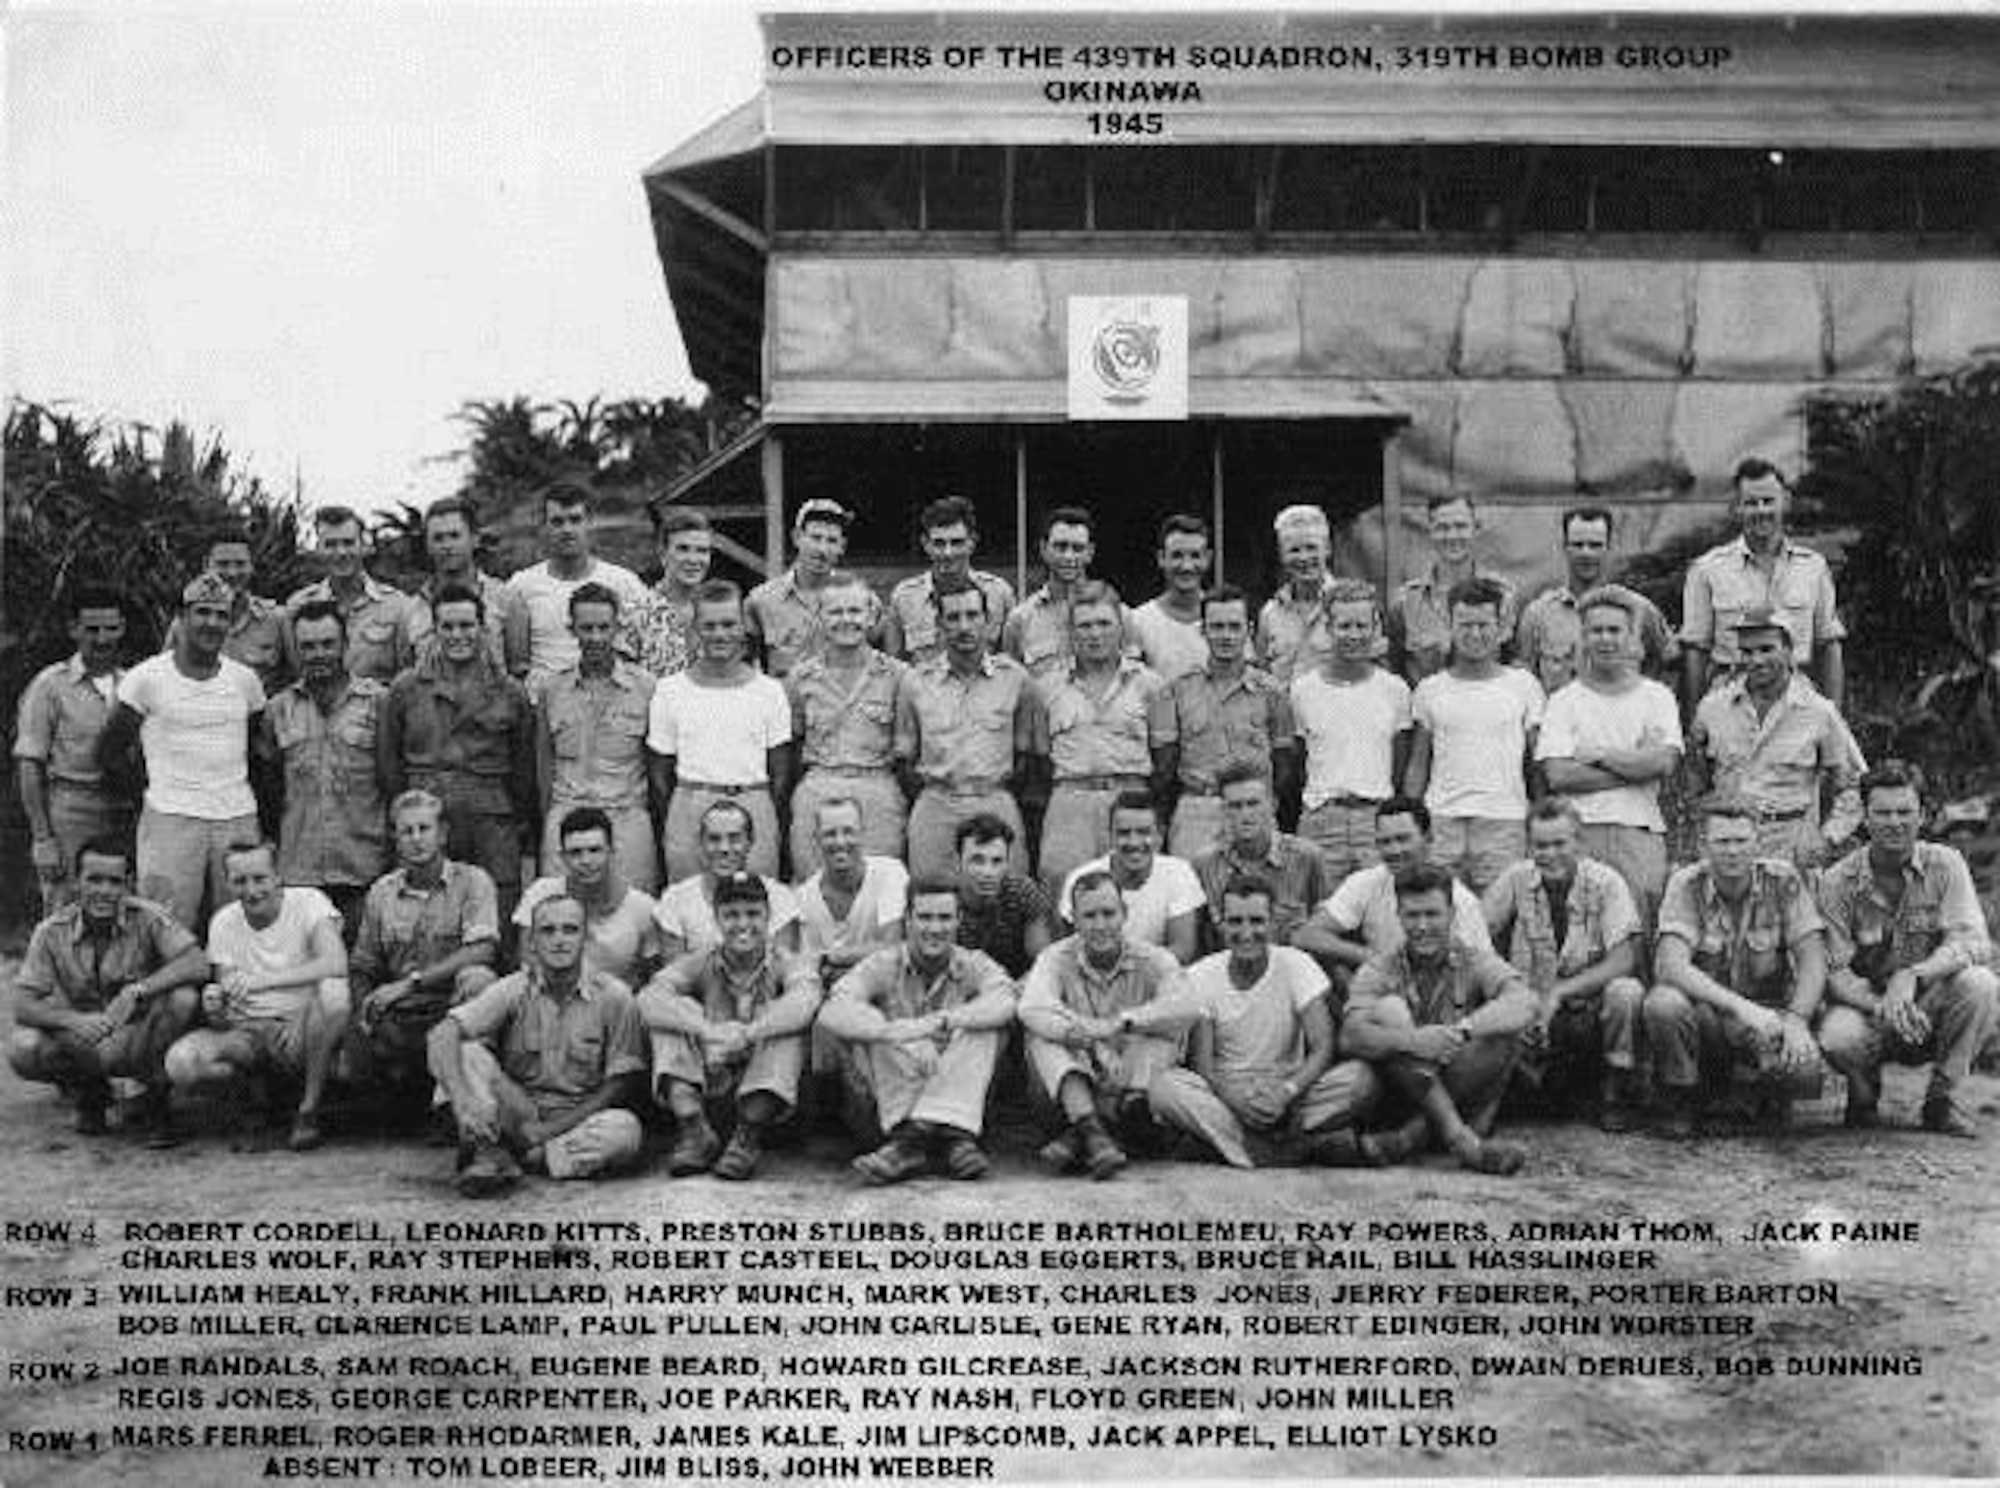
(950, 537)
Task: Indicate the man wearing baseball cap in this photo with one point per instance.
(782, 615)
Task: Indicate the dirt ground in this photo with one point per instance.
(1935, 1299)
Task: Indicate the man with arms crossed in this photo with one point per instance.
(278, 1003)
(544, 1070)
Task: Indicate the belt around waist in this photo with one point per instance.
(1103, 782)
(726, 790)
(850, 772)
(1352, 803)
(965, 787)
(81, 787)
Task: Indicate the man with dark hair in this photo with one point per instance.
(730, 1027)
(843, 704)
(719, 731)
(1570, 926)
(1163, 898)
(966, 733)
(1439, 1023)
(256, 625)
(1039, 630)
(1168, 626)
(1472, 741)
(65, 794)
(1353, 720)
(1102, 1013)
(853, 903)
(459, 727)
(1760, 569)
(545, 1069)
(1221, 711)
(1738, 969)
(590, 740)
(1359, 919)
(1548, 639)
(318, 741)
(950, 536)
(278, 1003)
(921, 1026)
(192, 712)
(1101, 714)
(784, 616)
(1261, 1085)
(726, 840)
(1909, 978)
(385, 627)
(1420, 624)
(1003, 913)
(107, 985)
(540, 642)
(1766, 737)
(621, 928)
(451, 543)
(1251, 844)
(429, 937)
(660, 625)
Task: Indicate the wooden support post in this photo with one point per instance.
(1215, 493)
(773, 458)
(1392, 514)
(1021, 512)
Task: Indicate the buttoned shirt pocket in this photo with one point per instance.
(583, 1057)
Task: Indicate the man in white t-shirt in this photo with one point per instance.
(1358, 920)
(720, 731)
(1261, 1085)
(1168, 626)
(192, 711)
(854, 904)
(1473, 739)
(1607, 741)
(537, 614)
(621, 934)
(279, 1001)
(1163, 895)
(1353, 718)
(727, 835)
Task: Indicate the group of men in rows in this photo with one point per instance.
(1138, 761)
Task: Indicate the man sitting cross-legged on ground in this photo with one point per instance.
(730, 1027)
(279, 1000)
(107, 985)
(1261, 1085)
(920, 1028)
(1440, 1023)
(1103, 1014)
(545, 1068)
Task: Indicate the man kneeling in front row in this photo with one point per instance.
(544, 1068)
(730, 1028)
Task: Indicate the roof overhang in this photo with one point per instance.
(926, 401)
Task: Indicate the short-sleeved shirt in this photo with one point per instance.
(1601, 917)
(1939, 910)
(1774, 762)
(659, 631)
(964, 731)
(872, 917)
(407, 926)
(256, 638)
(1292, 637)
(1464, 979)
(617, 943)
(559, 1050)
(495, 600)
(1037, 634)
(890, 982)
(334, 829)
(1748, 947)
(274, 949)
(1643, 716)
(1258, 1029)
(999, 926)
(1548, 641)
(1293, 868)
(597, 736)
(544, 598)
(1095, 728)
(68, 965)
(916, 615)
(1169, 645)
(786, 619)
(1479, 731)
(195, 736)
(1349, 730)
(1170, 891)
(846, 723)
(1365, 905)
(1418, 620)
(385, 626)
(1064, 977)
(687, 911)
(720, 735)
(1218, 719)
(728, 996)
(61, 717)
(1726, 581)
